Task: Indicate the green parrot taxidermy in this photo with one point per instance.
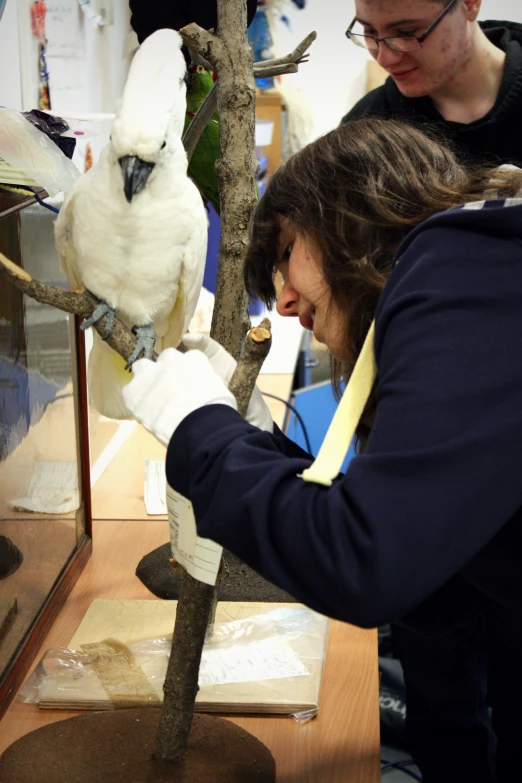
(201, 168)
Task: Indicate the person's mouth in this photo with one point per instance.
(307, 319)
(401, 76)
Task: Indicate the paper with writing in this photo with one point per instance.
(155, 490)
(266, 660)
(199, 556)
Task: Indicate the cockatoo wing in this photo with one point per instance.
(63, 231)
(171, 329)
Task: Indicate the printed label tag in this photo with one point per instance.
(199, 556)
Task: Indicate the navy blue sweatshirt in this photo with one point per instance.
(430, 516)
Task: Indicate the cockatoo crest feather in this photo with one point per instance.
(153, 103)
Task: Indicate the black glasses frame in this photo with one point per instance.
(420, 39)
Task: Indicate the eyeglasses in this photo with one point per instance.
(399, 43)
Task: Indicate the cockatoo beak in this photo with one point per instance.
(135, 174)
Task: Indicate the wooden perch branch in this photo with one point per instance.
(279, 70)
(298, 56)
(229, 53)
(197, 601)
(181, 681)
(254, 352)
(81, 303)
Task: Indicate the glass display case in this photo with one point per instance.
(45, 517)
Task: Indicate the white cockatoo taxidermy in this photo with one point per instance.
(133, 229)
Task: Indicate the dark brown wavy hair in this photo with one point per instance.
(355, 193)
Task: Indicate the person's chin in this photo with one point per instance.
(412, 90)
(410, 84)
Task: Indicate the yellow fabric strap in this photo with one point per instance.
(337, 440)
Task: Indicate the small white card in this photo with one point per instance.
(267, 660)
(155, 489)
(199, 556)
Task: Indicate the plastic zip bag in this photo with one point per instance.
(243, 669)
(29, 150)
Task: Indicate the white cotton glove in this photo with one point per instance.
(162, 393)
(224, 364)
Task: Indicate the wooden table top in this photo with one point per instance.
(340, 745)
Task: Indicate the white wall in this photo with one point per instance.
(10, 79)
(94, 81)
(90, 81)
(501, 9)
(334, 77)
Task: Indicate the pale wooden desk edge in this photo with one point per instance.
(341, 745)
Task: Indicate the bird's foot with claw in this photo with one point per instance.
(102, 309)
(144, 345)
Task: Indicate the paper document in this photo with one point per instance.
(199, 556)
(53, 488)
(267, 660)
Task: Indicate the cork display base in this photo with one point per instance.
(117, 746)
(241, 582)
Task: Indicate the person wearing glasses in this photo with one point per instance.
(464, 79)
(375, 221)
(445, 70)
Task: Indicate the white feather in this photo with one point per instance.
(145, 258)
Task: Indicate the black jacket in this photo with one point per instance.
(426, 525)
(151, 15)
(495, 138)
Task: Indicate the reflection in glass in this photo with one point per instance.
(39, 464)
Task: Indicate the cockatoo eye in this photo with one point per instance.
(164, 145)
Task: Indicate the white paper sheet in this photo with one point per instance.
(63, 29)
(53, 488)
(267, 660)
(155, 490)
(200, 556)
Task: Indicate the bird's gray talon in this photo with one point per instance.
(144, 345)
(102, 309)
(109, 326)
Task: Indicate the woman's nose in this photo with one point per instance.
(287, 300)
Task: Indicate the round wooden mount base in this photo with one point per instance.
(117, 746)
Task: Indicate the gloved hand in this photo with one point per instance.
(224, 364)
(162, 393)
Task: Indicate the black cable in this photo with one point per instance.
(296, 414)
(401, 764)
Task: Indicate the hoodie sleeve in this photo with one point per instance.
(441, 473)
